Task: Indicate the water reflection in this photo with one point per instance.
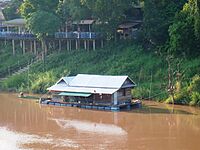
(84, 126)
(13, 140)
(153, 108)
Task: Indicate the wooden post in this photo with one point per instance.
(94, 45)
(13, 45)
(76, 44)
(31, 46)
(45, 48)
(20, 43)
(35, 47)
(88, 44)
(24, 47)
(102, 44)
(60, 46)
(54, 45)
(79, 43)
(5, 42)
(85, 44)
(68, 45)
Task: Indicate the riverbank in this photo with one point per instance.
(147, 69)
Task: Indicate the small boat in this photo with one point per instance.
(136, 103)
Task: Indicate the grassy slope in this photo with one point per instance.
(8, 61)
(143, 67)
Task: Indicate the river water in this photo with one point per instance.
(24, 124)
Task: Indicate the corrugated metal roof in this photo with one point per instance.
(100, 81)
(90, 84)
(16, 22)
(66, 79)
(84, 22)
(128, 25)
(65, 88)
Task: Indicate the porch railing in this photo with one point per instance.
(16, 35)
(77, 35)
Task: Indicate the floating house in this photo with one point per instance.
(93, 91)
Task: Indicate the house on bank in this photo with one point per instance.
(92, 91)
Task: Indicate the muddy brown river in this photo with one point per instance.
(25, 124)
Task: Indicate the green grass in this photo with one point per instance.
(10, 62)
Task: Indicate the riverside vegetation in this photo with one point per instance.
(164, 61)
(146, 68)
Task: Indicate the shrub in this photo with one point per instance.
(195, 99)
(40, 82)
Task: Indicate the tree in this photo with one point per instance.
(11, 10)
(185, 31)
(158, 16)
(41, 18)
(43, 27)
(64, 14)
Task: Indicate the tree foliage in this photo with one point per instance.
(41, 16)
(109, 13)
(185, 31)
(11, 11)
(40, 25)
(158, 16)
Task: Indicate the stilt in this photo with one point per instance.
(85, 44)
(24, 47)
(35, 47)
(79, 43)
(60, 46)
(5, 42)
(13, 45)
(76, 44)
(88, 44)
(54, 45)
(20, 43)
(94, 45)
(45, 48)
(102, 44)
(31, 46)
(68, 45)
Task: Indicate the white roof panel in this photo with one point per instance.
(100, 81)
(90, 84)
(16, 22)
(66, 79)
(65, 88)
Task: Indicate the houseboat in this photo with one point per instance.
(92, 92)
